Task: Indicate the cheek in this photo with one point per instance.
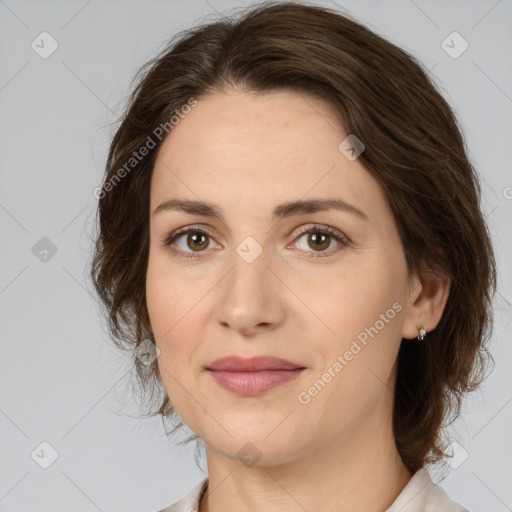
(177, 316)
(344, 300)
(165, 310)
(168, 297)
(355, 373)
(174, 338)
(358, 317)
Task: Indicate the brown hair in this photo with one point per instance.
(414, 148)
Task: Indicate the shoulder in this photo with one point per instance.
(439, 501)
(422, 495)
(190, 502)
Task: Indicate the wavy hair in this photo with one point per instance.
(415, 148)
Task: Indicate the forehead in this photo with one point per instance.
(234, 124)
(259, 149)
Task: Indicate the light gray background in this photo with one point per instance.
(60, 381)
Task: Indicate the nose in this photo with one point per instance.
(250, 297)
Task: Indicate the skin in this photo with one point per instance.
(248, 153)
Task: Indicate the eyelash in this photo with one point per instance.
(341, 239)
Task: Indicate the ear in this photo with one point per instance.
(425, 303)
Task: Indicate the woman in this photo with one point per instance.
(291, 242)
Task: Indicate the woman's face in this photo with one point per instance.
(249, 283)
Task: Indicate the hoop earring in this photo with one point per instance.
(421, 333)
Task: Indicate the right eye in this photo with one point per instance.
(196, 239)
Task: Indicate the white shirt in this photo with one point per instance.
(419, 495)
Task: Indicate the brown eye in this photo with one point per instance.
(197, 240)
(319, 241)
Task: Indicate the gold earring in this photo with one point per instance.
(421, 333)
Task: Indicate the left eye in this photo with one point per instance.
(320, 238)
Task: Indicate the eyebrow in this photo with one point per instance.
(281, 211)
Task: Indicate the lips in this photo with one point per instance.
(252, 364)
(253, 376)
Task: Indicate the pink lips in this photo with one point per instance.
(253, 376)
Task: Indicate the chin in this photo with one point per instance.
(262, 446)
(261, 452)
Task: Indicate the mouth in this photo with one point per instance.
(254, 383)
(253, 376)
